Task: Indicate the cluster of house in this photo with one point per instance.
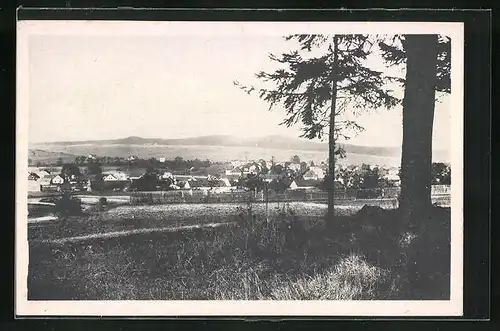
(390, 174)
(239, 168)
(310, 177)
(44, 180)
(54, 180)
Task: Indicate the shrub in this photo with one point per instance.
(66, 205)
(266, 236)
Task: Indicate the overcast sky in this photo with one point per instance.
(91, 87)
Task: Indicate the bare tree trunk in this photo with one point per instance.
(331, 139)
(418, 119)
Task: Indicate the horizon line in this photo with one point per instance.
(317, 141)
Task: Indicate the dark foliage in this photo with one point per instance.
(441, 174)
(66, 205)
(304, 83)
(394, 53)
(70, 169)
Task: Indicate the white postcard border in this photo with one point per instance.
(23, 307)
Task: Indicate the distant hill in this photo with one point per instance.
(44, 156)
(226, 147)
(273, 142)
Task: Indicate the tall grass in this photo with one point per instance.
(283, 257)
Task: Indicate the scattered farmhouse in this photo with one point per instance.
(244, 169)
(167, 175)
(304, 184)
(237, 163)
(269, 177)
(33, 176)
(236, 171)
(91, 157)
(136, 173)
(57, 180)
(294, 166)
(109, 178)
(252, 168)
(59, 183)
(38, 179)
(43, 173)
(33, 183)
(314, 173)
(115, 176)
(393, 176)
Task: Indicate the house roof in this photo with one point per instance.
(43, 173)
(236, 170)
(307, 183)
(116, 174)
(33, 176)
(392, 177)
(65, 179)
(136, 172)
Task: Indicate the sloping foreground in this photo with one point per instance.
(369, 255)
(135, 218)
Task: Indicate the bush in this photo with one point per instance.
(263, 236)
(67, 205)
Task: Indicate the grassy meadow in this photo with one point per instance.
(367, 254)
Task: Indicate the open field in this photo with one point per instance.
(368, 255)
(120, 216)
(124, 218)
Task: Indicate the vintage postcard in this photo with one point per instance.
(239, 169)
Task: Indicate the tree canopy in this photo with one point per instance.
(318, 81)
(303, 83)
(394, 53)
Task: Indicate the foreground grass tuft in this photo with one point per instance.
(352, 278)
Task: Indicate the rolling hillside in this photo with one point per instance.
(272, 142)
(223, 148)
(44, 156)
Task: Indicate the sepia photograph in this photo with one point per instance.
(237, 168)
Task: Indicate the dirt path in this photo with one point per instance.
(118, 234)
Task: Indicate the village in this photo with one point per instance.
(300, 179)
(94, 175)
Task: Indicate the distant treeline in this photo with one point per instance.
(177, 163)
